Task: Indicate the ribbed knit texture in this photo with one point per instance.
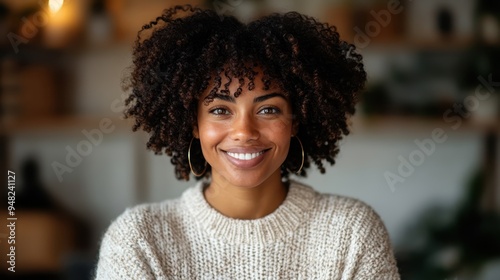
(309, 236)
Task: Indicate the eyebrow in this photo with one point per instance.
(268, 96)
(257, 99)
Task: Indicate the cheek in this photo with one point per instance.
(211, 134)
(280, 133)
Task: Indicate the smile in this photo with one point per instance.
(246, 159)
(246, 156)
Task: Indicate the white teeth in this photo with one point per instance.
(246, 156)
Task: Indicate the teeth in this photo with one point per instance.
(246, 156)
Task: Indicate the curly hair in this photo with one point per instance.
(188, 48)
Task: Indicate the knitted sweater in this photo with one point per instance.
(309, 236)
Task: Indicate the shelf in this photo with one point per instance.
(422, 45)
(415, 124)
(66, 124)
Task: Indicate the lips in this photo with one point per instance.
(245, 158)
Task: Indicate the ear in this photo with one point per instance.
(196, 132)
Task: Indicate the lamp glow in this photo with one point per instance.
(55, 5)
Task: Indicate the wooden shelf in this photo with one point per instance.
(68, 124)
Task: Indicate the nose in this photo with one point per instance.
(244, 128)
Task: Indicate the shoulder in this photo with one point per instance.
(160, 219)
(353, 210)
(356, 232)
(144, 219)
(344, 212)
(130, 244)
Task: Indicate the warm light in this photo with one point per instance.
(55, 5)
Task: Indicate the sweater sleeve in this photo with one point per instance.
(121, 255)
(376, 258)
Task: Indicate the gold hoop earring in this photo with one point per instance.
(189, 161)
(302, 163)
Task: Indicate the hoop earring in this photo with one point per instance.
(189, 161)
(302, 163)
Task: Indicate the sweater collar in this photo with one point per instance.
(280, 223)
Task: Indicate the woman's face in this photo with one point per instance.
(245, 139)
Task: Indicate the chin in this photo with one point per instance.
(246, 182)
(247, 179)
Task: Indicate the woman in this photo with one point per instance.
(242, 106)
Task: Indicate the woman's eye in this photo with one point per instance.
(219, 111)
(269, 111)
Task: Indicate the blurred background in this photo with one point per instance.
(423, 150)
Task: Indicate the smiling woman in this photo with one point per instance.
(242, 107)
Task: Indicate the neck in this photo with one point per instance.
(246, 203)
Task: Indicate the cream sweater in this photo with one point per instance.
(310, 236)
